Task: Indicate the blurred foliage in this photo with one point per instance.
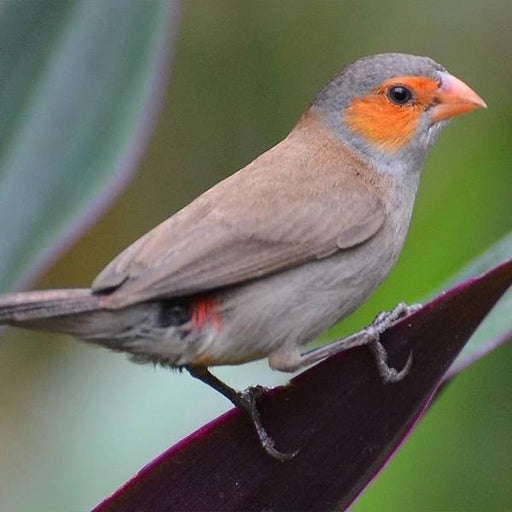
(77, 421)
(78, 91)
(497, 326)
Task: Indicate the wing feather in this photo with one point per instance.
(263, 219)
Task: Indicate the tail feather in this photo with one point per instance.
(76, 311)
(28, 307)
(79, 312)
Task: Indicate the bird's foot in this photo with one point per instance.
(247, 400)
(382, 322)
(386, 319)
(388, 373)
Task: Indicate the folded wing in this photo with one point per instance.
(272, 219)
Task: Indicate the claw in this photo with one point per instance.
(387, 373)
(414, 307)
(392, 375)
(247, 400)
(386, 319)
(382, 322)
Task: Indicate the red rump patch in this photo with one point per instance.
(204, 311)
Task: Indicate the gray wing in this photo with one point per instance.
(264, 225)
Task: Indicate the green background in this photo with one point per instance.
(77, 421)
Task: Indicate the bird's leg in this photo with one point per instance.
(288, 361)
(246, 400)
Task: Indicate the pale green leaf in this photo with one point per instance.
(79, 91)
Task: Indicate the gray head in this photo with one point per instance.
(391, 106)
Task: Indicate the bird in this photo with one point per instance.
(266, 260)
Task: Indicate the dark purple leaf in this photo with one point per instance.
(345, 421)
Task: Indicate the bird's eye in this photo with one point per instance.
(399, 94)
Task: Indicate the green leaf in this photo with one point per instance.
(81, 85)
(497, 327)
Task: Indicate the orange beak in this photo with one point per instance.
(453, 98)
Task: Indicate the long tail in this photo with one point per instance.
(76, 311)
(17, 308)
(52, 310)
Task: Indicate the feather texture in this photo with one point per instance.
(225, 238)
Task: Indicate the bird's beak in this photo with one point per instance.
(453, 98)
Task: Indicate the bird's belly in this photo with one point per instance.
(297, 305)
(288, 308)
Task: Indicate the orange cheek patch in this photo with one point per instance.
(389, 126)
(379, 122)
(205, 311)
